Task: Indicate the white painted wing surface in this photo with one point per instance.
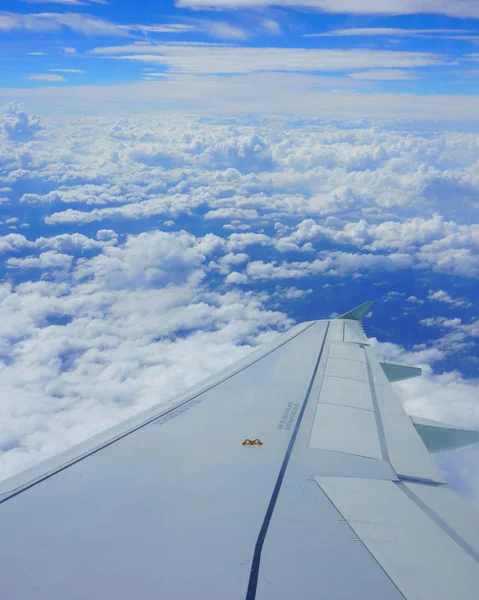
(342, 500)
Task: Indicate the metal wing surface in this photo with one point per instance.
(341, 499)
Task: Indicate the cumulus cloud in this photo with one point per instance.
(162, 247)
(17, 125)
(414, 300)
(334, 263)
(232, 213)
(103, 342)
(443, 245)
(291, 293)
(442, 296)
(14, 242)
(46, 260)
(359, 188)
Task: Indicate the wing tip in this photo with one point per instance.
(357, 314)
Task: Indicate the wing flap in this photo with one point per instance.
(451, 512)
(405, 450)
(419, 556)
(345, 429)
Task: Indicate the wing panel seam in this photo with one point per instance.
(439, 521)
(345, 405)
(361, 541)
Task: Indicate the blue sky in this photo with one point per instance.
(371, 47)
(180, 182)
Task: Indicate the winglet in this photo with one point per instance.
(358, 313)
(399, 372)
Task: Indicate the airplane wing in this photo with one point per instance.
(293, 474)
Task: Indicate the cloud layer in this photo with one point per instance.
(142, 253)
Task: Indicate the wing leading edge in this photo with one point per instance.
(342, 499)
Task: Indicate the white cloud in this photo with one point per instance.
(161, 205)
(84, 353)
(67, 70)
(17, 124)
(392, 295)
(291, 293)
(221, 30)
(389, 32)
(451, 8)
(51, 22)
(13, 242)
(256, 93)
(271, 26)
(442, 296)
(105, 323)
(46, 260)
(76, 242)
(203, 59)
(232, 213)
(91, 25)
(68, 2)
(334, 263)
(447, 397)
(234, 259)
(164, 28)
(149, 260)
(384, 75)
(443, 245)
(415, 300)
(236, 278)
(456, 335)
(47, 77)
(359, 186)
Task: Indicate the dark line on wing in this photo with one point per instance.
(253, 578)
(86, 454)
(346, 406)
(345, 376)
(421, 480)
(379, 421)
(448, 530)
